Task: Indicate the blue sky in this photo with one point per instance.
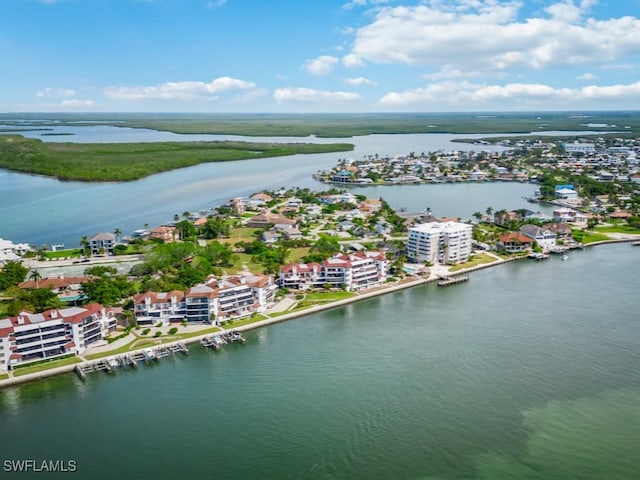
(320, 56)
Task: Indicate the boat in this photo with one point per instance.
(565, 257)
(149, 354)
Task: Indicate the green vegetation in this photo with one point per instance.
(322, 298)
(244, 321)
(347, 125)
(131, 161)
(58, 254)
(4, 376)
(12, 274)
(618, 229)
(45, 365)
(474, 261)
(586, 236)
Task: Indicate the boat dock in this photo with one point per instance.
(234, 336)
(452, 280)
(538, 255)
(154, 354)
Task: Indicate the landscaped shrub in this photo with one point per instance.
(146, 331)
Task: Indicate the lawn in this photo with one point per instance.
(75, 252)
(590, 237)
(476, 260)
(46, 366)
(321, 298)
(244, 321)
(4, 376)
(242, 234)
(618, 229)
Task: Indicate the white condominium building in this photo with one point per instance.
(439, 242)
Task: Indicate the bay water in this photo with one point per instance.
(529, 371)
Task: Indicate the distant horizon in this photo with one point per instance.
(200, 113)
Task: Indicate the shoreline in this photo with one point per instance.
(374, 292)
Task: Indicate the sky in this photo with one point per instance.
(301, 56)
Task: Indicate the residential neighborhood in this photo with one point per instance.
(246, 257)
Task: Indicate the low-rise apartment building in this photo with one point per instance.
(216, 301)
(353, 271)
(30, 337)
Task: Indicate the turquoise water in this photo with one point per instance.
(529, 371)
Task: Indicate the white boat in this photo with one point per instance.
(565, 257)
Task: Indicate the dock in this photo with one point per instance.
(179, 348)
(453, 280)
(538, 255)
(234, 336)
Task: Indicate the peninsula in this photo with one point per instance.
(120, 162)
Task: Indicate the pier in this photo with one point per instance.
(538, 255)
(454, 280)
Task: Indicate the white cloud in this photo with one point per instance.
(587, 76)
(75, 103)
(309, 95)
(466, 95)
(449, 73)
(322, 65)
(486, 35)
(179, 90)
(362, 3)
(358, 81)
(352, 60)
(55, 92)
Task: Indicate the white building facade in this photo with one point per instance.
(31, 337)
(439, 242)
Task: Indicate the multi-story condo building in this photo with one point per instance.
(31, 337)
(216, 301)
(439, 242)
(349, 271)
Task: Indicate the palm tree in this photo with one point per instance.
(36, 277)
(117, 232)
(84, 244)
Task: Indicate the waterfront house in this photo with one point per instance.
(570, 215)
(165, 233)
(561, 229)
(515, 242)
(102, 243)
(544, 237)
(30, 337)
(565, 192)
(10, 251)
